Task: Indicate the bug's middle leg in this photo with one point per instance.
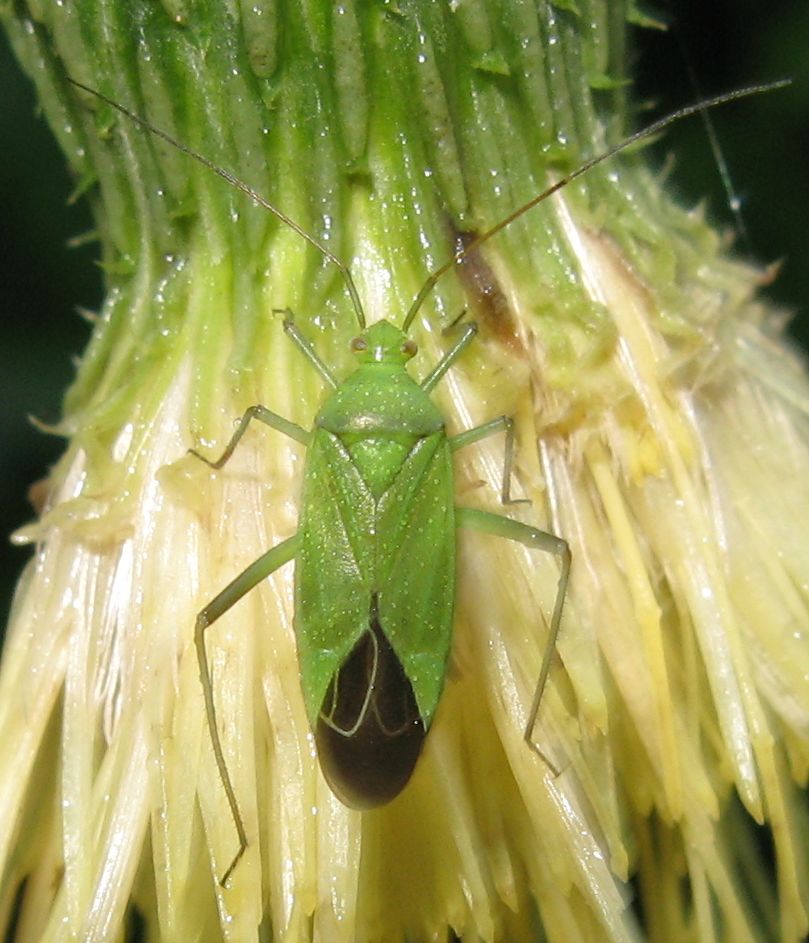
(269, 418)
(501, 424)
(266, 564)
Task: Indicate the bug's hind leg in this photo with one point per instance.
(265, 565)
(488, 523)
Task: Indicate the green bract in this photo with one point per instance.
(375, 548)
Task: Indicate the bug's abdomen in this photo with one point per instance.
(369, 732)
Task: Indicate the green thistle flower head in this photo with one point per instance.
(661, 429)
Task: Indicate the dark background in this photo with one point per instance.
(42, 281)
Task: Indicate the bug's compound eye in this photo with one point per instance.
(358, 345)
(409, 348)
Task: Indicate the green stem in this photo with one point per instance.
(385, 130)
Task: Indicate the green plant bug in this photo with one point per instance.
(375, 547)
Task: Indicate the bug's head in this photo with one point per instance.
(383, 342)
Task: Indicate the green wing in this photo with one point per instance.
(401, 548)
(334, 565)
(415, 567)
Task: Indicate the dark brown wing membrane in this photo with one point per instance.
(369, 732)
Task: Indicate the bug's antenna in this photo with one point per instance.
(242, 187)
(646, 132)
(732, 198)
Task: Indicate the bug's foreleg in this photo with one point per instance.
(265, 565)
(269, 418)
(488, 523)
(449, 358)
(482, 432)
(305, 346)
